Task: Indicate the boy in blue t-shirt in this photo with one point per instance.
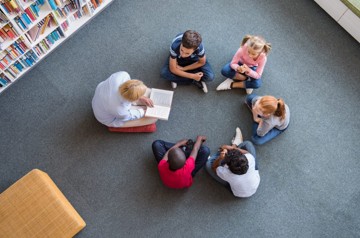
(187, 62)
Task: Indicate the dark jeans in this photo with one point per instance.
(206, 69)
(160, 147)
(260, 140)
(228, 72)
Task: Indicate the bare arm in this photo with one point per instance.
(231, 147)
(178, 144)
(175, 70)
(219, 159)
(198, 64)
(243, 151)
(195, 150)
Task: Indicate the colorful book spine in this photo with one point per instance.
(3, 82)
(52, 4)
(30, 14)
(26, 18)
(20, 23)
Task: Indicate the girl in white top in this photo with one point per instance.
(271, 117)
(114, 98)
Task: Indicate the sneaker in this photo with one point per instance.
(197, 84)
(204, 87)
(173, 85)
(238, 139)
(249, 90)
(226, 85)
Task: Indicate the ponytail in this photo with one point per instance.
(272, 105)
(280, 110)
(257, 43)
(245, 39)
(267, 48)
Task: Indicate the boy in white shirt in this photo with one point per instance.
(235, 167)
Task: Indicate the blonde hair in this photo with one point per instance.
(132, 90)
(272, 105)
(257, 43)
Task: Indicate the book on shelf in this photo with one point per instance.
(3, 17)
(52, 4)
(30, 14)
(34, 33)
(39, 29)
(10, 32)
(43, 27)
(162, 100)
(26, 19)
(21, 23)
(85, 10)
(23, 43)
(3, 82)
(10, 7)
(35, 9)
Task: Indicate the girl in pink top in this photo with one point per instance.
(247, 65)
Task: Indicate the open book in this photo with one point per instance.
(162, 104)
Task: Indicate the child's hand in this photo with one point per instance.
(181, 142)
(226, 147)
(201, 138)
(223, 152)
(246, 69)
(257, 120)
(240, 69)
(197, 76)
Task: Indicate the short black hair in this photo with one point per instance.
(237, 162)
(191, 40)
(176, 158)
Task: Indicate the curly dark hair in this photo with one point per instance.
(237, 162)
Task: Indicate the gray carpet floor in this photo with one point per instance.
(309, 174)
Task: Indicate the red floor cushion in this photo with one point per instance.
(147, 128)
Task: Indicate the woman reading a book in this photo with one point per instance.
(116, 99)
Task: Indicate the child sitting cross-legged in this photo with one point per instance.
(178, 163)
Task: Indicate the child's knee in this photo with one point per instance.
(164, 72)
(156, 143)
(256, 83)
(205, 150)
(209, 77)
(226, 72)
(257, 140)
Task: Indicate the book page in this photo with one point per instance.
(158, 112)
(161, 97)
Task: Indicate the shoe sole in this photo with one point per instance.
(204, 87)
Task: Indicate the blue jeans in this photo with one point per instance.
(206, 69)
(260, 140)
(228, 72)
(246, 145)
(160, 147)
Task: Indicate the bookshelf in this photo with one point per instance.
(31, 29)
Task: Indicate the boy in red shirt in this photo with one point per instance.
(178, 163)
